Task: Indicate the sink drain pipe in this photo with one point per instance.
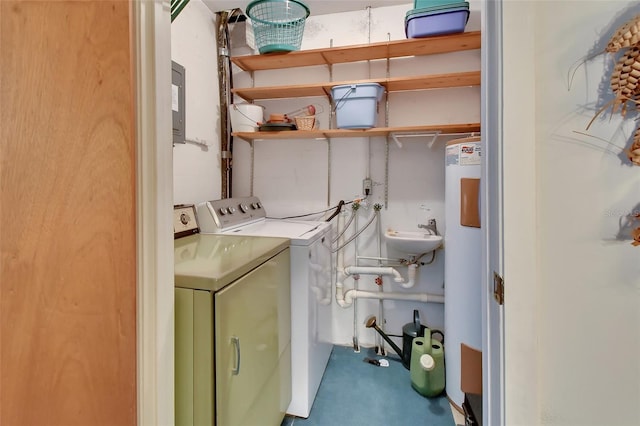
(385, 271)
(346, 299)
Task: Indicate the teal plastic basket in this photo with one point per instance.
(278, 25)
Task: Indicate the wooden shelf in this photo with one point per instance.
(423, 82)
(344, 133)
(364, 52)
(372, 51)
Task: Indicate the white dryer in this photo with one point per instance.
(311, 285)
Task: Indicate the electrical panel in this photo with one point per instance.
(177, 102)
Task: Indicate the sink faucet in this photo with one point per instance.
(430, 226)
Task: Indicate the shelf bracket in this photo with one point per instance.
(434, 136)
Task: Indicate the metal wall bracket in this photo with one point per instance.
(434, 136)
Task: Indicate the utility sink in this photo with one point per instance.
(412, 242)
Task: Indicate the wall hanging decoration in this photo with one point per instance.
(624, 82)
(634, 149)
(626, 73)
(635, 234)
(627, 35)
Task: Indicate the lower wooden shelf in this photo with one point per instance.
(344, 133)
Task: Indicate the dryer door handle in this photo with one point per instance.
(236, 342)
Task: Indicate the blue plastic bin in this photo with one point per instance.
(420, 4)
(356, 105)
(439, 7)
(437, 22)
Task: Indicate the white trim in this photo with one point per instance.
(519, 212)
(491, 123)
(154, 171)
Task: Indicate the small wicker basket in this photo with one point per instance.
(305, 122)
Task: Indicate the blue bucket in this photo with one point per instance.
(356, 105)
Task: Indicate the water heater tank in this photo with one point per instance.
(463, 253)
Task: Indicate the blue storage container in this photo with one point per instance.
(442, 7)
(356, 105)
(421, 4)
(420, 23)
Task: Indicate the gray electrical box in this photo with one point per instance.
(177, 102)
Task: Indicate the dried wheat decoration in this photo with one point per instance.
(625, 84)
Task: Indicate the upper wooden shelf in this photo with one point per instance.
(363, 52)
(373, 51)
(423, 82)
(344, 133)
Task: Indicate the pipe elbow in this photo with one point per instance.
(412, 268)
(396, 276)
(348, 297)
(341, 296)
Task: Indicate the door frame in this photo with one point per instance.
(151, 28)
(492, 209)
(151, 49)
(511, 86)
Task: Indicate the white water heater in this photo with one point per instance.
(463, 253)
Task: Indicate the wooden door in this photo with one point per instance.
(67, 214)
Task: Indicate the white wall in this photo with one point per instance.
(520, 265)
(298, 176)
(580, 315)
(196, 168)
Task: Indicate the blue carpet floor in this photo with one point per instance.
(356, 393)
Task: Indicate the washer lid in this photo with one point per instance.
(300, 232)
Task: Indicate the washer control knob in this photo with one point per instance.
(244, 208)
(232, 210)
(259, 204)
(254, 205)
(223, 211)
